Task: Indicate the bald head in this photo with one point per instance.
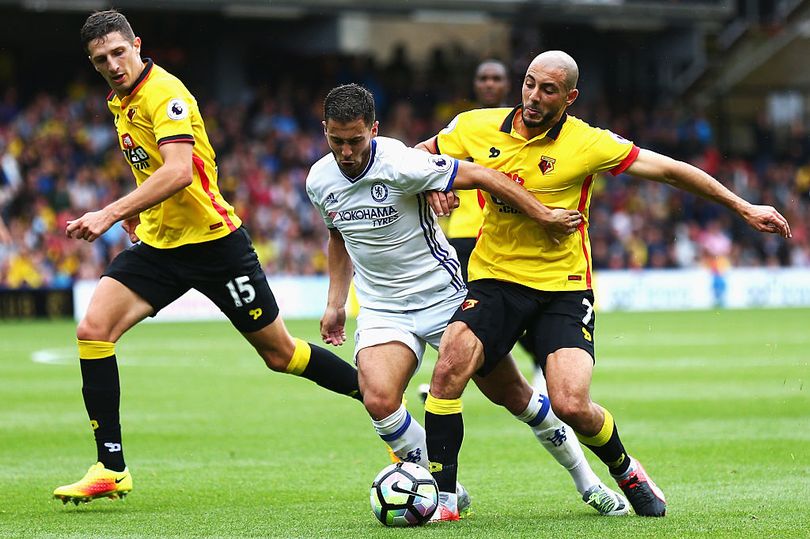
(549, 87)
(558, 60)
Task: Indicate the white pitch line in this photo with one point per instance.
(672, 340)
(693, 362)
(67, 356)
(54, 356)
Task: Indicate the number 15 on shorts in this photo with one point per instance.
(241, 290)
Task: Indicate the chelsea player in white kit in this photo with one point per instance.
(383, 232)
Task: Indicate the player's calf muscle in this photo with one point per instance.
(585, 418)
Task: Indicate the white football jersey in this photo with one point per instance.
(402, 260)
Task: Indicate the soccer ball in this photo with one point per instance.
(404, 494)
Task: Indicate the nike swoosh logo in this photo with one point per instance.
(396, 488)
(119, 480)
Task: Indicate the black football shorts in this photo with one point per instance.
(225, 270)
(499, 312)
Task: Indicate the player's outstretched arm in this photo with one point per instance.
(428, 145)
(556, 221)
(660, 168)
(333, 323)
(173, 176)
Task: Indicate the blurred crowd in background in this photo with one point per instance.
(59, 158)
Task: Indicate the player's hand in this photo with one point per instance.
(333, 326)
(767, 219)
(561, 223)
(129, 226)
(442, 202)
(89, 226)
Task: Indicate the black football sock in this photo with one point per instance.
(444, 426)
(324, 368)
(102, 395)
(607, 445)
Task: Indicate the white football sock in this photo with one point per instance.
(559, 440)
(405, 436)
(539, 381)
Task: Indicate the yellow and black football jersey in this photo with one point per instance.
(160, 110)
(558, 167)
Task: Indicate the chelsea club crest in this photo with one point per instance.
(379, 191)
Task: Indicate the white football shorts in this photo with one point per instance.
(414, 329)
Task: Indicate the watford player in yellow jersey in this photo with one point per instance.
(491, 87)
(522, 279)
(186, 236)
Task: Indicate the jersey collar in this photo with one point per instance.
(147, 69)
(368, 165)
(553, 133)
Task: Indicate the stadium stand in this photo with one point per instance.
(59, 159)
(59, 156)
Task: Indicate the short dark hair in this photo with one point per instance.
(494, 61)
(101, 23)
(348, 102)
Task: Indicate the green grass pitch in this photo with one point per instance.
(715, 404)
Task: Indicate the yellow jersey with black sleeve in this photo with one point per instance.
(160, 110)
(558, 167)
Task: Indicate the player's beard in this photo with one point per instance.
(545, 119)
(356, 167)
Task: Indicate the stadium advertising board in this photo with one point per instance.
(644, 290)
(297, 297)
(36, 303)
(767, 288)
(676, 290)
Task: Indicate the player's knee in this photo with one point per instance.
(460, 355)
(449, 378)
(380, 405)
(447, 366)
(275, 359)
(90, 330)
(459, 347)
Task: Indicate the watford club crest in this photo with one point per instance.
(126, 141)
(469, 304)
(546, 164)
